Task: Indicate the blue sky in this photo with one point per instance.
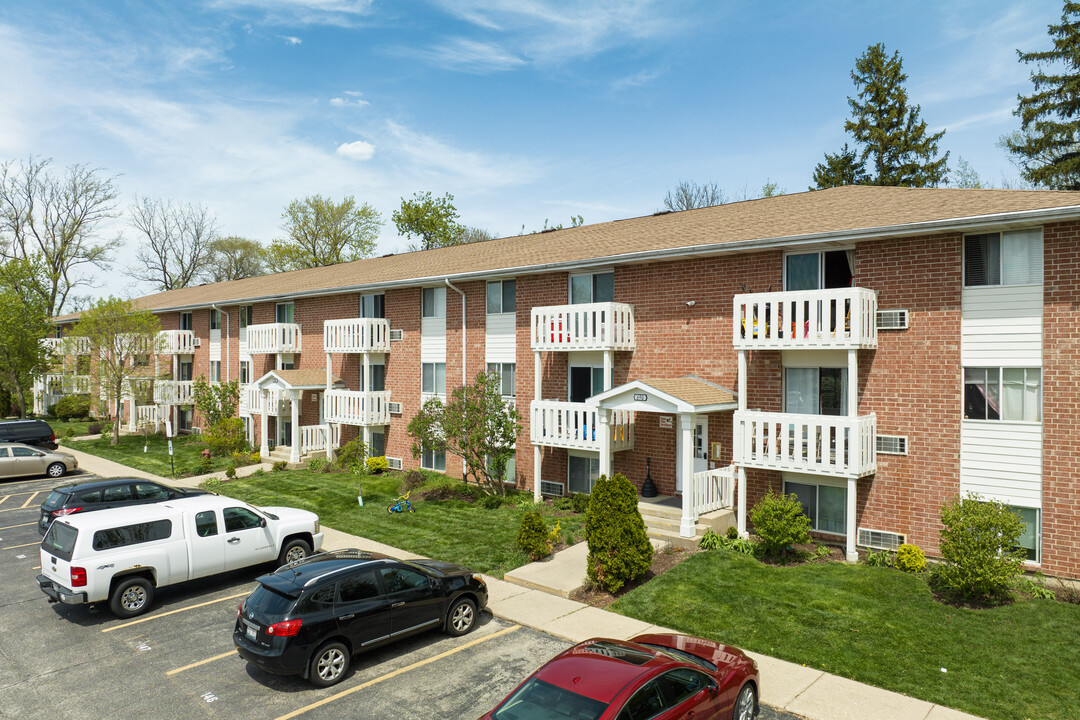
(525, 111)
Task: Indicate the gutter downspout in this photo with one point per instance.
(464, 372)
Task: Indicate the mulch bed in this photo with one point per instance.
(662, 562)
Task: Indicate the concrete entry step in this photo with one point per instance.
(663, 521)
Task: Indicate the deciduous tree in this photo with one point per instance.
(434, 221)
(175, 244)
(235, 258)
(24, 323)
(323, 232)
(689, 195)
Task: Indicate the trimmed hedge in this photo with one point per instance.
(619, 547)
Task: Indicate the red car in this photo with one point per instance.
(651, 677)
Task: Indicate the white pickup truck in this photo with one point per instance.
(123, 554)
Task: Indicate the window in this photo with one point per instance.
(284, 313)
(646, 703)
(117, 493)
(245, 372)
(506, 373)
(1011, 394)
(434, 302)
(1011, 258)
(815, 391)
(596, 287)
(378, 444)
(238, 518)
(215, 371)
(373, 306)
(245, 315)
(184, 417)
(433, 380)
(286, 361)
(431, 459)
(141, 360)
(510, 474)
(536, 698)
(397, 579)
(378, 378)
(585, 381)
(819, 270)
(185, 321)
(24, 452)
(680, 684)
(502, 296)
(825, 505)
(215, 319)
(206, 523)
(1029, 539)
(581, 472)
(360, 586)
(132, 534)
(185, 370)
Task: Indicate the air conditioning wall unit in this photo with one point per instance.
(198, 342)
(892, 444)
(552, 489)
(892, 319)
(396, 334)
(394, 408)
(394, 463)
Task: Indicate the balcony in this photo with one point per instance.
(833, 445)
(574, 426)
(838, 319)
(273, 338)
(58, 384)
(356, 335)
(314, 438)
(176, 342)
(591, 326)
(251, 401)
(355, 407)
(174, 392)
(74, 345)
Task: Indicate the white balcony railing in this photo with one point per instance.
(251, 401)
(273, 338)
(840, 446)
(712, 490)
(574, 426)
(591, 326)
(74, 345)
(314, 438)
(146, 415)
(356, 335)
(354, 407)
(842, 318)
(174, 392)
(176, 342)
(60, 384)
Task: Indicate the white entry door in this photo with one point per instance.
(700, 450)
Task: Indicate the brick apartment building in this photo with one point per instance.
(874, 350)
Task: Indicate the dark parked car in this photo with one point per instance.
(102, 494)
(659, 677)
(310, 617)
(29, 432)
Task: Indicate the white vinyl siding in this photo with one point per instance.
(1002, 461)
(433, 325)
(501, 338)
(1001, 325)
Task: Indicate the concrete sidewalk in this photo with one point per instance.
(796, 689)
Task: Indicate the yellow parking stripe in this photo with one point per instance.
(16, 509)
(173, 612)
(4, 499)
(8, 527)
(201, 662)
(12, 547)
(30, 500)
(399, 671)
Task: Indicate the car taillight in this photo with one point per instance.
(78, 577)
(240, 610)
(65, 511)
(52, 438)
(285, 628)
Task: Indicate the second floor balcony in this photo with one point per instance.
(273, 338)
(174, 392)
(835, 445)
(355, 407)
(176, 342)
(576, 426)
(61, 384)
(72, 345)
(841, 318)
(588, 326)
(356, 335)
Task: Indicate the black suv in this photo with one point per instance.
(102, 494)
(28, 432)
(311, 616)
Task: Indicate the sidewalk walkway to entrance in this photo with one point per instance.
(813, 694)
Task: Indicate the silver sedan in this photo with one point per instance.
(17, 460)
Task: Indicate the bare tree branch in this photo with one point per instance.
(176, 241)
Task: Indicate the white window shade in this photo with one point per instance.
(1022, 255)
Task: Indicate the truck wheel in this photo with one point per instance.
(131, 597)
(293, 550)
(329, 664)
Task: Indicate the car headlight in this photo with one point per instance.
(479, 579)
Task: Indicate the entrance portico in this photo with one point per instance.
(690, 399)
(279, 388)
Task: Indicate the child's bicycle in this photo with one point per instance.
(401, 504)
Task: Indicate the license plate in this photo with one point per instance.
(252, 631)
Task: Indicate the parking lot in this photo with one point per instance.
(178, 660)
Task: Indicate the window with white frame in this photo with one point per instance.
(431, 459)
(215, 371)
(433, 378)
(245, 315)
(819, 270)
(185, 321)
(581, 473)
(286, 361)
(373, 306)
(245, 372)
(825, 505)
(433, 302)
(1009, 394)
(501, 297)
(1029, 538)
(215, 319)
(815, 391)
(378, 444)
(506, 373)
(377, 382)
(284, 312)
(1008, 258)
(592, 288)
(185, 370)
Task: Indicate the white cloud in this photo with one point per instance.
(358, 150)
(430, 157)
(636, 80)
(352, 99)
(471, 55)
(344, 13)
(291, 39)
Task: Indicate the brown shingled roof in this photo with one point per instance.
(692, 390)
(800, 215)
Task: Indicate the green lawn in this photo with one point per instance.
(878, 626)
(187, 451)
(454, 530)
(60, 427)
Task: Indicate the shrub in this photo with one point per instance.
(413, 480)
(581, 502)
(376, 465)
(780, 523)
(619, 547)
(533, 536)
(910, 558)
(979, 555)
(259, 473)
(563, 503)
(714, 541)
(732, 532)
(490, 502)
(226, 437)
(555, 534)
(244, 458)
(350, 455)
(70, 433)
(280, 465)
(230, 471)
(50, 410)
(710, 541)
(881, 558)
(206, 465)
(95, 428)
(318, 465)
(70, 407)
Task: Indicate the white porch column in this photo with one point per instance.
(329, 373)
(294, 441)
(328, 440)
(686, 468)
(609, 369)
(157, 413)
(132, 426)
(852, 384)
(538, 370)
(603, 415)
(852, 488)
(740, 512)
(742, 380)
(367, 437)
(264, 402)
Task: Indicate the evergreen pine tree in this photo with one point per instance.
(843, 168)
(1048, 144)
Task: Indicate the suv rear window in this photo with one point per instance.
(132, 534)
(55, 499)
(60, 540)
(265, 601)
